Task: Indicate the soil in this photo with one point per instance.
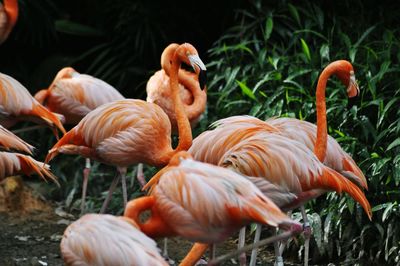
(31, 231)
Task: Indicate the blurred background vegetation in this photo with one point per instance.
(264, 58)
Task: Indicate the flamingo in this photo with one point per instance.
(211, 146)
(74, 95)
(159, 92)
(103, 239)
(16, 163)
(193, 97)
(8, 18)
(131, 131)
(204, 203)
(16, 104)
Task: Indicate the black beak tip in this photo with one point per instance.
(202, 79)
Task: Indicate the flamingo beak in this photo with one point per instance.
(353, 90)
(195, 61)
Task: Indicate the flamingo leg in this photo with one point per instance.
(86, 174)
(242, 239)
(140, 175)
(295, 230)
(213, 250)
(110, 191)
(122, 173)
(257, 235)
(278, 252)
(307, 234)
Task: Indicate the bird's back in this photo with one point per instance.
(206, 203)
(100, 240)
(76, 96)
(336, 158)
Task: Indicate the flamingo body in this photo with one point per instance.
(74, 95)
(205, 203)
(120, 133)
(102, 240)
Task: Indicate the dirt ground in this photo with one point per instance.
(31, 231)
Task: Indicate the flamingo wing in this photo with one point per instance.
(120, 133)
(290, 164)
(97, 239)
(15, 163)
(206, 203)
(336, 158)
(17, 102)
(80, 94)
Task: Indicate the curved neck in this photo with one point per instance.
(184, 129)
(322, 130)
(190, 82)
(11, 8)
(154, 226)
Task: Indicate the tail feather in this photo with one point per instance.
(332, 180)
(10, 141)
(52, 119)
(350, 166)
(260, 210)
(69, 138)
(30, 166)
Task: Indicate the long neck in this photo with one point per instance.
(11, 8)
(322, 131)
(154, 226)
(184, 130)
(190, 81)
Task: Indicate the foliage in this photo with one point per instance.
(267, 65)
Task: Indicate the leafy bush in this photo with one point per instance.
(268, 65)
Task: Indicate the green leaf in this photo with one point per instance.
(268, 28)
(394, 143)
(306, 50)
(295, 14)
(246, 90)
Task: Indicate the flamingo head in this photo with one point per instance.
(189, 55)
(346, 74)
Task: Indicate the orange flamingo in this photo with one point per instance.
(16, 163)
(205, 203)
(130, 131)
(211, 146)
(193, 97)
(74, 95)
(102, 239)
(16, 103)
(8, 18)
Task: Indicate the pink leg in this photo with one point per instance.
(86, 173)
(110, 192)
(307, 235)
(140, 175)
(122, 173)
(257, 235)
(294, 230)
(242, 239)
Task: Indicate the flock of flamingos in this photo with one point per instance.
(241, 171)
